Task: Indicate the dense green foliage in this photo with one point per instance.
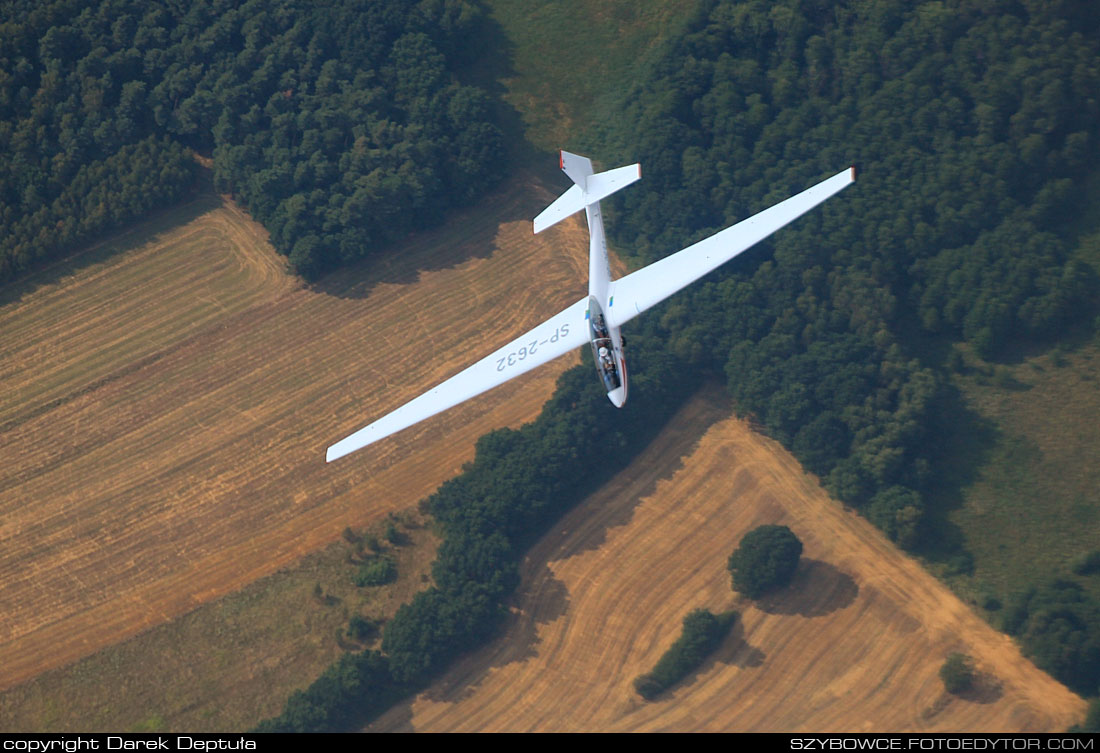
(702, 633)
(765, 560)
(377, 571)
(957, 673)
(971, 129)
(1058, 626)
(362, 629)
(353, 688)
(519, 482)
(341, 126)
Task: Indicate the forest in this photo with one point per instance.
(340, 126)
(973, 129)
(969, 130)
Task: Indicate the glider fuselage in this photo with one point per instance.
(607, 342)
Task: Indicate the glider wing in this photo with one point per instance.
(555, 337)
(650, 285)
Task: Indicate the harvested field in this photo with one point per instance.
(854, 644)
(165, 406)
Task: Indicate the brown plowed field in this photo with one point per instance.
(165, 407)
(854, 644)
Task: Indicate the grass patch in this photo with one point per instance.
(1020, 470)
(573, 60)
(1032, 507)
(230, 663)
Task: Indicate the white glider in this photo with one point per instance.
(598, 317)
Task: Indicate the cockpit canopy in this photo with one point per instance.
(603, 347)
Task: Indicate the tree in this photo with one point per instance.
(765, 560)
(957, 673)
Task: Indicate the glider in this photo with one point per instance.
(598, 317)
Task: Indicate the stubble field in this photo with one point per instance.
(165, 409)
(165, 405)
(854, 644)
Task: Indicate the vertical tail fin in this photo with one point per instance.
(588, 188)
(578, 168)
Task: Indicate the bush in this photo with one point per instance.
(766, 560)
(393, 535)
(377, 572)
(362, 629)
(957, 673)
(702, 633)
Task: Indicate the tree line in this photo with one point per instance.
(341, 126)
(518, 484)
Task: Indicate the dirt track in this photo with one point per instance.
(164, 410)
(855, 644)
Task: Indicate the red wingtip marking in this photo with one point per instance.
(853, 172)
(561, 159)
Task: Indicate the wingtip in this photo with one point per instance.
(853, 169)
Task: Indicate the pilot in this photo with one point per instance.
(605, 359)
(600, 326)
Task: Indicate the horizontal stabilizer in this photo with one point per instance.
(596, 187)
(568, 203)
(602, 185)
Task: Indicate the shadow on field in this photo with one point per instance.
(111, 243)
(463, 235)
(816, 590)
(613, 505)
(542, 598)
(547, 599)
(984, 689)
(962, 442)
(735, 651)
(517, 639)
